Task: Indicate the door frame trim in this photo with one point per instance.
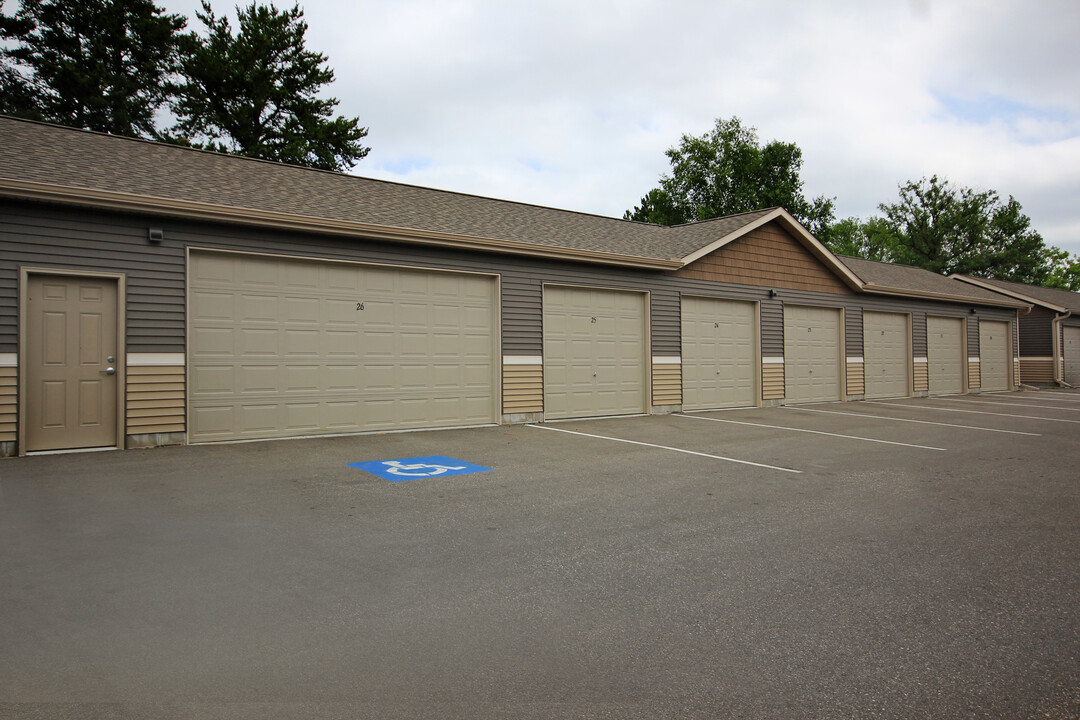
(25, 271)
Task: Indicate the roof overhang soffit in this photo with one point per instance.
(187, 210)
(811, 243)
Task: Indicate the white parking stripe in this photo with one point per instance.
(1051, 395)
(973, 412)
(665, 447)
(815, 432)
(908, 420)
(1014, 404)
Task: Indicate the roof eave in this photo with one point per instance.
(1009, 293)
(189, 210)
(927, 295)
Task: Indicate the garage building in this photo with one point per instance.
(152, 294)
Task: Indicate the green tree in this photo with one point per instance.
(97, 64)
(959, 230)
(727, 171)
(255, 93)
(16, 97)
(868, 239)
(1064, 270)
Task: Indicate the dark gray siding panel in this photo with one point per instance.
(973, 337)
(1036, 333)
(853, 332)
(48, 236)
(918, 334)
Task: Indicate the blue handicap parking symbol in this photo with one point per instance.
(418, 467)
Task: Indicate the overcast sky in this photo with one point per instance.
(571, 104)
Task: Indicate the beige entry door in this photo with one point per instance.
(994, 355)
(719, 351)
(945, 355)
(1071, 354)
(886, 350)
(812, 342)
(594, 352)
(71, 352)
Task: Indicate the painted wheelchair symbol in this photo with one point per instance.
(396, 467)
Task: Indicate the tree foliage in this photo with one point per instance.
(256, 92)
(727, 171)
(98, 64)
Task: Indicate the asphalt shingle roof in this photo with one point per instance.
(905, 277)
(1052, 296)
(73, 158)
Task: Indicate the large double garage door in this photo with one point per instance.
(283, 347)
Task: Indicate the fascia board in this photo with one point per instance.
(189, 210)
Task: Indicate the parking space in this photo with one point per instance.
(920, 563)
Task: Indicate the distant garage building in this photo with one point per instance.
(152, 294)
(1049, 347)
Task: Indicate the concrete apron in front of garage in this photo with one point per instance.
(580, 577)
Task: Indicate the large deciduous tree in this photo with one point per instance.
(950, 229)
(256, 92)
(98, 64)
(727, 171)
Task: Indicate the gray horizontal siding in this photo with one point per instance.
(66, 238)
(1036, 333)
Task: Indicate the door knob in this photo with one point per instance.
(109, 371)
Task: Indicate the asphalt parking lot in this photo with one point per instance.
(903, 559)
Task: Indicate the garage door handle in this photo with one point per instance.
(109, 371)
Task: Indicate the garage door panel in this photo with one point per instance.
(995, 356)
(309, 360)
(594, 352)
(719, 353)
(1071, 354)
(812, 352)
(945, 355)
(886, 355)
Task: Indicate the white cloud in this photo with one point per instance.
(572, 104)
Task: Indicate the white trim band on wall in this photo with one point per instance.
(856, 360)
(155, 359)
(667, 361)
(973, 359)
(522, 360)
(921, 360)
(772, 361)
(9, 360)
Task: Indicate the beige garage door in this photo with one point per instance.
(945, 354)
(1071, 354)
(594, 352)
(812, 343)
(886, 354)
(282, 347)
(719, 351)
(994, 355)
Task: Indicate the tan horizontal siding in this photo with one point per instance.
(856, 384)
(9, 393)
(523, 388)
(1040, 371)
(922, 377)
(666, 384)
(155, 399)
(1016, 372)
(974, 374)
(772, 381)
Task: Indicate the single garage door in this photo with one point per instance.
(285, 347)
(1071, 353)
(994, 355)
(945, 354)
(719, 353)
(812, 343)
(886, 354)
(594, 352)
